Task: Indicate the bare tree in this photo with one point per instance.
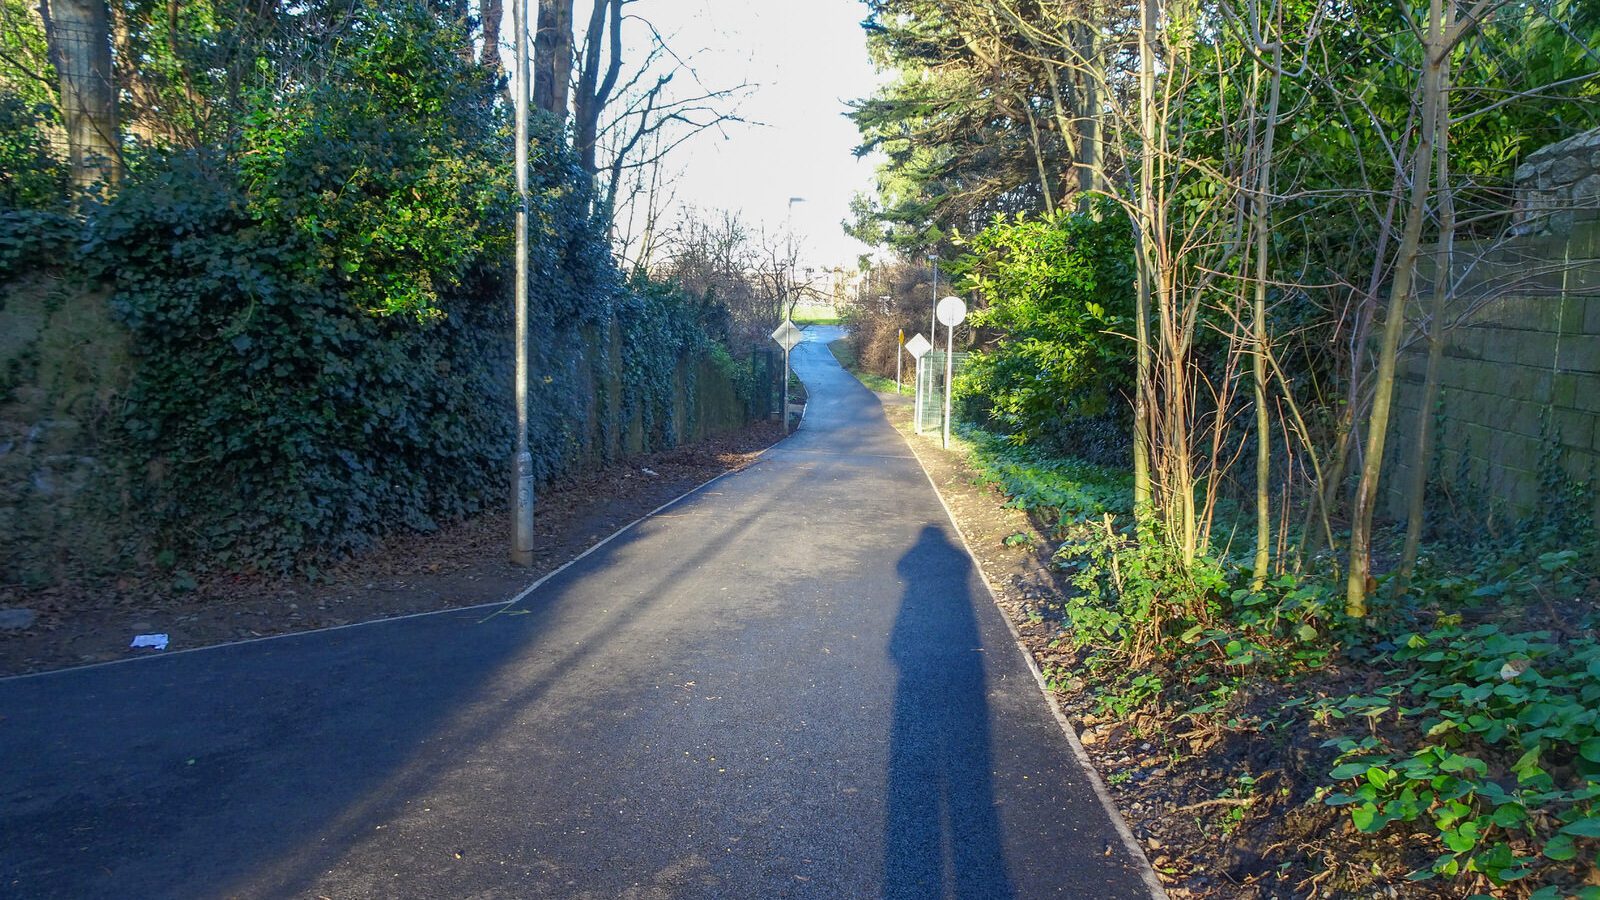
(629, 118)
(600, 66)
(1444, 29)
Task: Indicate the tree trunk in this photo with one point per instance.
(1145, 256)
(1038, 160)
(594, 90)
(1089, 164)
(78, 33)
(1260, 222)
(552, 57)
(492, 11)
(1439, 297)
(1360, 569)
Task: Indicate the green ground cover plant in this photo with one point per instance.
(1465, 708)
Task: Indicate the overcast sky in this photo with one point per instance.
(806, 60)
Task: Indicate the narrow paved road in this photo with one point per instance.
(791, 684)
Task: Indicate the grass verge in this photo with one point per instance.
(847, 358)
(814, 314)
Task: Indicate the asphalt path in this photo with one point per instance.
(791, 683)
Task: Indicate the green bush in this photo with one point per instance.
(1057, 292)
(31, 177)
(35, 229)
(321, 321)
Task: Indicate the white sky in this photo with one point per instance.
(807, 59)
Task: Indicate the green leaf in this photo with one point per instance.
(1367, 819)
(1349, 770)
(1560, 848)
(1585, 828)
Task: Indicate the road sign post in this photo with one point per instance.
(788, 337)
(897, 359)
(952, 310)
(918, 347)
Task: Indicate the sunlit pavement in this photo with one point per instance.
(791, 684)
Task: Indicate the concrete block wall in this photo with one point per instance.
(1520, 374)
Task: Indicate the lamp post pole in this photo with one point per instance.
(933, 314)
(917, 399)
(522, 462)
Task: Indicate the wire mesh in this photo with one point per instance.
(931, 383)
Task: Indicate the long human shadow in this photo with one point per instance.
(942, 836)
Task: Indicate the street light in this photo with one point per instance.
(522, 462)
(933, 321)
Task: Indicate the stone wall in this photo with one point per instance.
(1558, 186)
(66, 514)
(63, 363)
(1520, 376)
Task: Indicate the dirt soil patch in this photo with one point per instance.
(462, 564)
(1223, 813)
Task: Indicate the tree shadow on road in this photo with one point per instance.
(942, 834)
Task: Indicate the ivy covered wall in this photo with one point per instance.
(266, 350)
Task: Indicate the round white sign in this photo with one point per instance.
(952, 310)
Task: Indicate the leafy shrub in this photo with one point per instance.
(320, 312)
(1064, 489)
(31, 177)
(1056, 291)
(34, 227)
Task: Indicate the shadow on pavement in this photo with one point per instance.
(254, 769)
(941, 832)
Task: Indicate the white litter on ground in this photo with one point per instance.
(156, 641)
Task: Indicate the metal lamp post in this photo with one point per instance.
(933, 315)
(522, 462)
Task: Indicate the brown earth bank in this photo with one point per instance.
(462, 564)
(1223, 812)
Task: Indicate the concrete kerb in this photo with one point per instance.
(502, 604)
(1147, 873)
